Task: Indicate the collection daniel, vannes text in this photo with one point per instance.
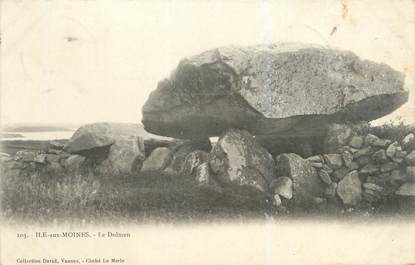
(69, 261)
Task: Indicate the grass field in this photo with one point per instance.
(151, 197)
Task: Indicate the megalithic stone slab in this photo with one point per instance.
(287, 89)
(238, 159)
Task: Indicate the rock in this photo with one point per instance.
(287, 89)
(371, 196)
(204, 178)
(55, 145)
(347, 158)
(103, 169)
(339, 174)
(25, 156)
(367, 151)
(397, 160)
(362, 161)
(306, 182)
(370, 139)
(237, 158)
(55, 152)
(318, 200)
(4, 157)
(369, 169)
(353, 166)
(317, 165)
(400, 153)
(327, 169)
(315, 159)
(98, 135)
(391, 150)
(93, 136)
(397, 177)
(50, 158)
(154, 141)
(352, 150)
(12, 165)
(282, 186)
(277, 200)
(337, 137)
(373, 187)
(193, 160)
(385, 176)
(4, 154)
(408, 140)
(40, 158)
(410, 172)
(376, 195)
(331, 190)
(388, 167)
(125, 157)
(376, 179)
(74, 163)
(379, 156)
(349, 189)
(407, 189)
(410, 158)
(334, 161)
(373, 140)
(62, 156)
(356, 142)
(182, 150)
(158, 159)
(324, 176)
(382, 143)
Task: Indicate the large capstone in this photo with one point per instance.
(286, 89)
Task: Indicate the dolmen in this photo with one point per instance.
(271, 105)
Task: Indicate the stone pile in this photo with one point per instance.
(54, 160)
(365, 166)
(111, 149)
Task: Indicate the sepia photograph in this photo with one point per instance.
(207, 132)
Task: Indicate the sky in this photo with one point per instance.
(80, 61)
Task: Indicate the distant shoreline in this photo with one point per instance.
(36, 129)
(11, 135)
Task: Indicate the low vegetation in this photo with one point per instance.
(44, 198)
(393, 130)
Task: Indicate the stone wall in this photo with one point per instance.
(362, 170)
